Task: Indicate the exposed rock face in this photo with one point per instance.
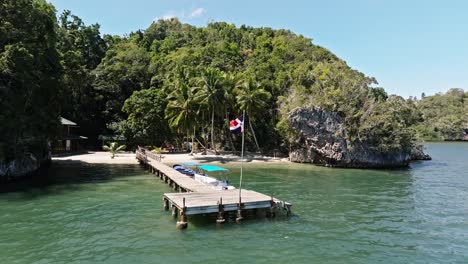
(27, 165)
(417, 153)
(322, 141)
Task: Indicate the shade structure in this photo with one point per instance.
(210, 168)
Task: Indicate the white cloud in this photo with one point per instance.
(168, 16)
(197, 12)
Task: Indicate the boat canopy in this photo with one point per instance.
(191, 163)
(210, 168)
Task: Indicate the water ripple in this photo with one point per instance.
(113, 214)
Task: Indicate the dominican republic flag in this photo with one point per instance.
(237, 125)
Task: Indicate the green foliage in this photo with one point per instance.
(30, 77)
(113, 148)
(182, 108)
(445, 115)
(370, 115)
(210, 74)
(174, 80)
(146, 123)
(123, 70)
(211, 93)
(82, 49)
(217, 57)
(253, 99)
(157, 150)
(387, 126)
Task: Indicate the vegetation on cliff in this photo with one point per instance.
(175, 81)
(221, 69)
(30, 78)
(445, 115)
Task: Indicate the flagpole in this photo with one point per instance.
(239, 215)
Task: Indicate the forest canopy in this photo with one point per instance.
(30, 77)
(174, 81)
(445, 115)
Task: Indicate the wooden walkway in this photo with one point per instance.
(193, 197)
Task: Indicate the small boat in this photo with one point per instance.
(200, 174)
(183, 170)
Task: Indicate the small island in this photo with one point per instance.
(233, 132)
(176, 85)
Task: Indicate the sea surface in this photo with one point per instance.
(114, 214)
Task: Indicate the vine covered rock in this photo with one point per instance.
(323, 140)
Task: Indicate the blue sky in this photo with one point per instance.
(410, 46)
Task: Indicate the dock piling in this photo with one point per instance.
(220, 219)
(166, 204)
(239, 217)
(205, 200)
(182, 224)
(174, 211)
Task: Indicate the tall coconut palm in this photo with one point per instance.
(252, 98)
(230, 81)
(211, 93)
(182, 109)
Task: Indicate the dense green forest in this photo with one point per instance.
(175, 81)
(30, 77)
(445, 115)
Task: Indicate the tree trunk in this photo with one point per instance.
(212, 132)
(193, 141)
(201, 144)
(253, 133)
(205, 139)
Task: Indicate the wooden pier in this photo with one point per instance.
(193, 197)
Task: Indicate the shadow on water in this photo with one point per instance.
(227, 160)
(68, 176)
(415, 215)
(251, 218)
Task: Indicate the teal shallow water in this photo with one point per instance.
(114, 214)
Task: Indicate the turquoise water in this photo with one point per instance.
(114, 214)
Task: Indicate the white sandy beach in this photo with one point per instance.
(168, 158)
(99, 157)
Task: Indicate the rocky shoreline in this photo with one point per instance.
(27, 166)
(322, 141)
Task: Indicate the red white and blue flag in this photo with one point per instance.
(237, 125)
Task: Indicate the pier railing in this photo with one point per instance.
(192, 197)
(148, 153)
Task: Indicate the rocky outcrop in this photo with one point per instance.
(417, 153)
(322, 140)
(25, 166)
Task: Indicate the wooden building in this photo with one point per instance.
(68, 141)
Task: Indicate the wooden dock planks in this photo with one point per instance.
(197, 198)
(207, 202)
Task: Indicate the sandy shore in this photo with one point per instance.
(129, 158)
(99, 157)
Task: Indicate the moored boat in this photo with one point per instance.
(200, 174)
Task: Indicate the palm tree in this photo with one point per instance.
(230, 81)
(211, 93)
(182, 109)
(113, 148)
(252, 98)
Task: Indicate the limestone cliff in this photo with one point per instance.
(322, 140)
(27, 165)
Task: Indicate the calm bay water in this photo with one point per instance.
(114, 214)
